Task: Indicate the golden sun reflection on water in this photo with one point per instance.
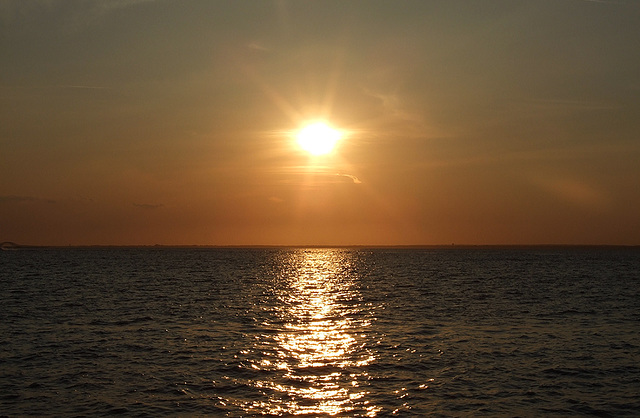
(318, 345)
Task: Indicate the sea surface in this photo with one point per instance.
(320, 332)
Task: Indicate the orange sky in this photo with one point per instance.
(166, 122)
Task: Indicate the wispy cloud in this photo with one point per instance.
(577, 192)
(148, 205)
(570, 104)
(352, 177)
(55, 87)
(604, 1)
(257, 46)
(397, 117)
(84, 87)
(391, 103)
(76, 15)
(119, 4)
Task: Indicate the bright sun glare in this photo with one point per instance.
(318, 138)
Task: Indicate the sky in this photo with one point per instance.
(142, 122)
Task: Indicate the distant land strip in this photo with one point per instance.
(9, 245)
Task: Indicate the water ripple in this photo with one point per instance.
(320, 332)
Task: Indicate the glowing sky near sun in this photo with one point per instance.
(493, 122)
(318, 138)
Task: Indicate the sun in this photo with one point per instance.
(318, 138)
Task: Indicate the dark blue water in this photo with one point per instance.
(346, 332)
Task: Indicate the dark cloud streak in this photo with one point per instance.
(148, 205)
(22, 199)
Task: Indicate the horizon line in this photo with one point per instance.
(8, 245)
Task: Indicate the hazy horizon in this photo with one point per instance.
(144, 122)
(8, 245)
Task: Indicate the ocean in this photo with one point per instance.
(320, 331)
